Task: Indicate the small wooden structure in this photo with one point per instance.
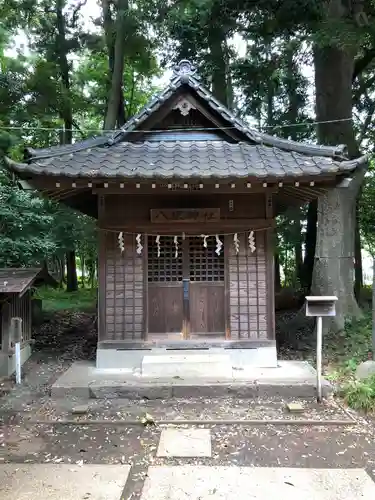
(186, 196)
(15, 301)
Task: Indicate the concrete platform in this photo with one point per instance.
(62, 482)
(261, 356)
(256, 483)
(291, 379)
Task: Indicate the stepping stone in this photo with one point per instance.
(80, 409)
(185, 443)
(295, 407)
(256, 483)
(63, 481)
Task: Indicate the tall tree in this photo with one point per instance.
(334, 61)
(128, 43)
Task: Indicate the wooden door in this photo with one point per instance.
(165, 298)
(186, 294)
(207, 289)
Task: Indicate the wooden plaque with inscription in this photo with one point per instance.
(185, 215)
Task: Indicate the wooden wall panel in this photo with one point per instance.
(122, 290)
(248, 289)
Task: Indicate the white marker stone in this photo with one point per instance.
(185, 443)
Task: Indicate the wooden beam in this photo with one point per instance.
(248, 185)
(241, 188)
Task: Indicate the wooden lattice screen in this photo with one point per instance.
(123, 290)
(204, 263)
(165, 267)
(248, 289)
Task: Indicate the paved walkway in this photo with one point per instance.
(187, 462)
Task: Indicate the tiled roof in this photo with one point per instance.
(184, 159)
(258, 155)
(184, 75)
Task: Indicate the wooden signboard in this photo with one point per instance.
(185, 215)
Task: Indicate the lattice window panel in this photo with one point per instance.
(123, 301)
(204, 263)
(248, 289)
(166, 267)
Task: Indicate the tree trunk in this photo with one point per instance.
(295, 218)
(299, 260)
(277, 273)
(66, 112)
(71, 272)
(118, 38)
(61, 271)
(333, 268)
(218, 65)
(358, 283)
(310, 243)
(83, 268)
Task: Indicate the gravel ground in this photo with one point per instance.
(174, 409)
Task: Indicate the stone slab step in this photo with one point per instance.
(198, 389)
(292, 379)
(187, 365)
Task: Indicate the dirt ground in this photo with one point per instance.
(24, 441)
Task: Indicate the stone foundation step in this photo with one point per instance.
(187, 365)
(291, 379)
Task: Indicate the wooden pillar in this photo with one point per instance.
(270, 270)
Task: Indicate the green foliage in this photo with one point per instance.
(91, 81)
(25, 227)
(36, 98)
(59, 299)
(351, 347)
(344, 352)
(360, 394)
(34, 230)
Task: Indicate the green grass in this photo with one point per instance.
(60, 300)
(344, 352)
(360, 394)
(347, 349)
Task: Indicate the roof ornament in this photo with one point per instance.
(184, 69)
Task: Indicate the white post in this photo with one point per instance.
(16, 336)
(319, 344)
(18, 362)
